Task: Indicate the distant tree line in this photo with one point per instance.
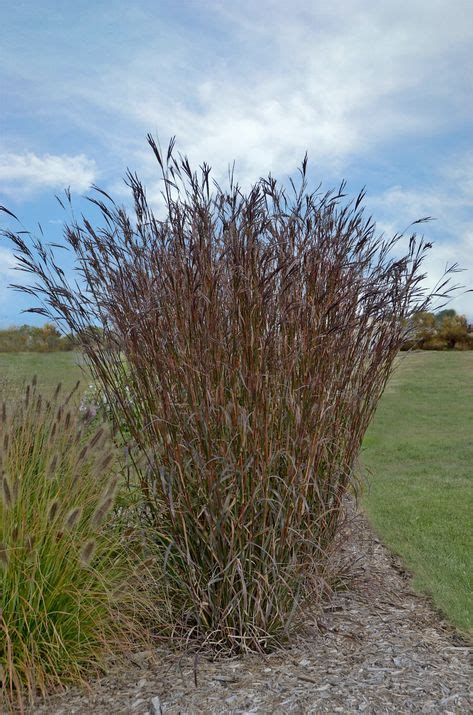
(29, 338)
(445, 330)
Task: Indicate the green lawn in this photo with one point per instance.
(419, 452)
(50, 369)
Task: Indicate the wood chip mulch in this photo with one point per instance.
(377, 647)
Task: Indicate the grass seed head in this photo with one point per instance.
(53, 510)
(53, 465)
(3, 556)
(73, 517)
(6, 492)
(87, 553)
(101, 512)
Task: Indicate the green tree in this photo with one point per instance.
(424, 328)
(446, 313)
(454, 330)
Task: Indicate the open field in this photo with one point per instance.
(419, 451)
(50, 369)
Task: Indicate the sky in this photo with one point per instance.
(378, 93)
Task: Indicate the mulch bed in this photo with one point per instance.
(377, 647)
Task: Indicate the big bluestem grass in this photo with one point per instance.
(243, 341)
(67, 586)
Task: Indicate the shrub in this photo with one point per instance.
(423, 328)
(66, 584)
(445, 330)
(435, 343)
(28, 338)
(254, 334)
(453, 329)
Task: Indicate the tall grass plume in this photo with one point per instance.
(242, 340)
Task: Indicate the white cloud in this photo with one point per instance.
(259, 83)
(7, 271)
(459, 175)
(27, 173)
(335, 80)
(448, 200)
(7, 262)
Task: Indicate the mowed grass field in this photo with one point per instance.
(419, 457)
(419, 497)
(50, 369)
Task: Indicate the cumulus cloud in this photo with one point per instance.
(27, 173)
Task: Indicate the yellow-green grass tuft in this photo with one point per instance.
(65, 578)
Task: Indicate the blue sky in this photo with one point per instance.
(379, 93)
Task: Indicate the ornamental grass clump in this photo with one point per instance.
(67, 589)
(243, 340)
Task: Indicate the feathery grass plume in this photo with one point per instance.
(82, 454)
(72, 392)
(112, 486)
(242, 342)
(6, 492)
(72, 517)
(73, 616)
(53, 431)
(87, 552)
(102, 511)
(106, 462)
(3, 555)
(53, 510)
(53, 464)
(96, 438)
